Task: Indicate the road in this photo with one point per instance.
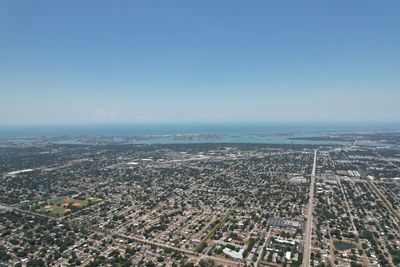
(114, 234)
(384, 200)
(308, 233)
(12, 208)
(346, 202)
(259, 259)
(166, 246)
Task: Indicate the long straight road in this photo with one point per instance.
(308, 233)
(266, 239)
(113, 234)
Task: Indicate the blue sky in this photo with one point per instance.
(206, 61)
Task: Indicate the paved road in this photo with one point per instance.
(218, 261)
(259, 259)
(308, 234)
(386, 202)
(346, 202)
(12, 208)
(113, 234)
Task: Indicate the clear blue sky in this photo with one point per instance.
(150, 61)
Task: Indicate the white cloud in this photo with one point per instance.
(105, 113)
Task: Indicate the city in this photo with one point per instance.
(200, 204)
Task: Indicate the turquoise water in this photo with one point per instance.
(141, 129)
(242, 138)
(227, 138)
(178, 133)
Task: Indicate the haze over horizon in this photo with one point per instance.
(199, 61)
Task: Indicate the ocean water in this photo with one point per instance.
(143, 129)
(167, 132)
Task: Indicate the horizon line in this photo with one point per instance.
(194, 122)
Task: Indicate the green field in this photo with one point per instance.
(66, 205)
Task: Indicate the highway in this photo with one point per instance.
(308, 233)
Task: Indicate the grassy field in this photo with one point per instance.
(66, 205)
